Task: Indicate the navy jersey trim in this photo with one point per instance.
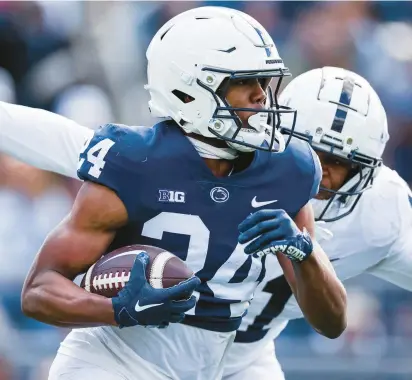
(213, 324)
(317, 174)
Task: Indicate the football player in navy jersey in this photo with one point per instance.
(199, 185)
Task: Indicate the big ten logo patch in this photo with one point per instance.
(171, 196)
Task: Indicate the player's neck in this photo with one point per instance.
(220, 168)
(223, 168)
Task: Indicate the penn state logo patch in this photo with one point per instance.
(219, 194)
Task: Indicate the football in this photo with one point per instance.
(112, 271)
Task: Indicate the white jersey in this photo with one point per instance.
(375, 238)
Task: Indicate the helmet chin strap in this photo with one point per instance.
(209, 151)
(252, 133)
(257, 122)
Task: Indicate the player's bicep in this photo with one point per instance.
(305, 219)
(84, 235)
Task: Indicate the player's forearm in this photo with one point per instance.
(321, 296)
(54, 299)
(41, 139)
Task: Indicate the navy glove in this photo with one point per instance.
(138, 303)
(274, 231)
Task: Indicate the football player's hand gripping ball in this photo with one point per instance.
(138, 303)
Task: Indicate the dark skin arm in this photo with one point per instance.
(49, 294)
(319, 292)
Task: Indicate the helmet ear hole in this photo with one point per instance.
(183, 97)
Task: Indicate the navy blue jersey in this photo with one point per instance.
(175, 202)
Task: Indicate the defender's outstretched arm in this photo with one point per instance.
(42, 139)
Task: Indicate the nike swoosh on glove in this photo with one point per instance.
(138, 303)
(272, 231)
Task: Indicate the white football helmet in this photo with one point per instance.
(189, 60)
(338, 112)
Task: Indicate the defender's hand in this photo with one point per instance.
(274, 231)
(138, 303)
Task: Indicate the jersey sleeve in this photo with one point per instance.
(307, 172)
(41, 139)
(317, 173)
(396, 267)
(385, 214)
(114, 157)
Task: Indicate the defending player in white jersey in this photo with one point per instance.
(155, 353)
(365, 208)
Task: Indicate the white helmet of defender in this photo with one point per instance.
(191, 61)
(338, 112)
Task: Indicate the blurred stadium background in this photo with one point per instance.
(86, 60)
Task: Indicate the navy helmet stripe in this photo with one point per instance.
(344, 102)
(268, 53)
